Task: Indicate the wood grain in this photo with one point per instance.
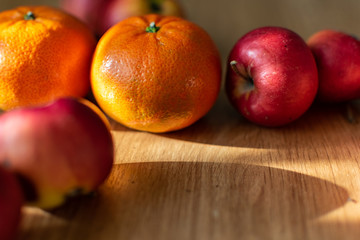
(223, 177)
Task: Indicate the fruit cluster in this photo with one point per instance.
(151, 73)
(274, 76)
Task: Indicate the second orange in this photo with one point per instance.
(155, 73)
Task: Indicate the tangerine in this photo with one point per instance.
(156, 73)
(44, 54)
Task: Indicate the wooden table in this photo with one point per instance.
(224, 178)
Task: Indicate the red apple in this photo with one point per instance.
(11, 200)
(100, 15)
(61, 149)
(272, 77)
(338, 59)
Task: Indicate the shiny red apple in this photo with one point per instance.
(11, 200)
(272, 76)
(100, 15)
(60, 150)
(337, 56)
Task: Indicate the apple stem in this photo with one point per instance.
(235, 68)
(152, 28)
(29, 16)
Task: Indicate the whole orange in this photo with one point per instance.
(156, 73)
(44, 54)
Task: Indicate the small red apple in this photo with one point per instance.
(100, 15)
(61, 149)
(11, 200)
(272, 77)
(338, 59)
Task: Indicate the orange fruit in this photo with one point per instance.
(156, 73)
(44, 54)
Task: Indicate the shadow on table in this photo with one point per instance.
(188, 200)
(224, 126)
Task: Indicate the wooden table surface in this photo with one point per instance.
(224, 178)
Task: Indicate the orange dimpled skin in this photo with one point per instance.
(44, 54)
(156, 73)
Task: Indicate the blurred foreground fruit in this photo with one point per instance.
(338, 59)
(155, 73)
(61, 149)
(100, 15)
(11, 200)
(272, 77)
(45, 54)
